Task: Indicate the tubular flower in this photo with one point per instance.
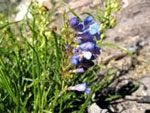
(87, 46)
(74, 22)
(74, 60)
(86, 50)
(80, 87)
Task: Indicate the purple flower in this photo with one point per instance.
(96, 50)
(85, 35)
(74, 51)
(79, 87)
(79, 70)
(98, 36)
(94, 30)
(91, 41)
(88, 20)
(74, 22)
(94, 26)
(87, 91)
(74, 60)
(79, 27)
(67, 47)
(86, 50)
(87, 46)
(87, 54)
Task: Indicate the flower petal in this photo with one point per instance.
(79, 87)
(87, 55)
(74, 21)
(67, 47)
(92, 31)
(88, 91)
(94, 26)
(88, 19)
(80, 70)
(79, 27)
(74, 60)
(74, 51)
(87, 46)
(98, 36)
(85, 35)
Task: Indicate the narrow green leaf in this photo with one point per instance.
(114, 45)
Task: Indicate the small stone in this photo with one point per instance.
(94, 108)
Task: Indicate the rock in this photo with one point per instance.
(94, 108)
(22, 8)
(144, 90)
(128, 24)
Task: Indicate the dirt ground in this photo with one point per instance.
(133, 24)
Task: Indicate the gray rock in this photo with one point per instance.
(94, 108)
(144, 90)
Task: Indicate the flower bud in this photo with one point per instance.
(74, 60)
(79, 87)
(88, 20)
(74, 22)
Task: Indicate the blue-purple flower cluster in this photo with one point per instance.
(86, 50)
